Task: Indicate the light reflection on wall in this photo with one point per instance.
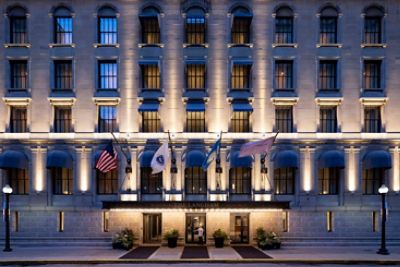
(84, 169)
(39, 170)
(352, 170)
(396, 170)
(307, 169)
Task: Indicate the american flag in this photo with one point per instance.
(108, 159)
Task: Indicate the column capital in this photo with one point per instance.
(83, 149)
(38, 149)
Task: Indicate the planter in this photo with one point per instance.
(265, 246)
(219, 242)
(172, 242)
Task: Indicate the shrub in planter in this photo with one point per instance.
(267, 240)
(123, 239)
(219, 238)
(172, 237)
(273, 237)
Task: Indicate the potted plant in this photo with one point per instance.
(172, 237)
(219, 238)
(267, 240)
(123, 239)
(273, 237)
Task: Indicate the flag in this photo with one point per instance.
(160, 158)
(257, 147)
(108, 159)
(208, 159)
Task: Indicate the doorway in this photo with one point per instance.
(239, 228)
(152, 228)
(194, 223)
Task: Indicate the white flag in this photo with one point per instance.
(257, 147)
(160, 158)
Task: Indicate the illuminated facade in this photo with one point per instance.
(322, 74)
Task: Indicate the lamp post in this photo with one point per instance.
(7, 190)
(383, 190)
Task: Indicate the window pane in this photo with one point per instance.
(328, 30)
(108, 75)
(63, 30)
(372, 120)
(195, 76)
(284, 30)
(372, 180)
(151, 78)
(107, 30)
(195, 30)
(62, 181)
(372, 74)
(327, 75)
(18, 33)
(284, 181)
(195, 181)
(63, 75)
(62, 120)
(241, 76)
(283, 74)
(195, 121)
(328, 181)
(284, 119)
(240, 121)
(18, 179)
(240, 32)
(328, 120)
(18, 120)
(107, 183)
(150, 122)
(107, 119)
(373, 30)
(19, 74)
(150, 30)
(150, 183)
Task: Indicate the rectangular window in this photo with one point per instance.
(327, 120)
(284, 30)
(18, 120)
(63, 75)
(375, 221)
(150, 183)
(240, 32)
(60, 226)
(372, 30)
(241, 76)
(195, 121)
(107, 183)
(107, 30)
(372, 180)
(240, 122)
(151, 77)
(18, 31)
(195, 28)
(18, 179)
(16, 221)
(328, 181)
(195, 181)
(329, 221)
(108, 74)
(150, 122)
(150, 30)
(107, 121)
(19, 75)
(106, 221)
(284, 181)
(284, 119)
(328, 75)
(240, 180)
(62, 119)
(328, 30)
(285, 221)
(195, 76)
(62, 180)
(372, 74)
(283, 74)
(372, 120)
(63, 30)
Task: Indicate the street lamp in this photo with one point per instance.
(383, 190)
(7, 190)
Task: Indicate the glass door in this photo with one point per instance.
(239, 228)
(195, 228)
(151, 228)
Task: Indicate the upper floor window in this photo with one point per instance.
(150, 183)
(18, 120)
(372, 75)
(372, 120)
(241, 76)
(18, 26)
(328, 120)
(107, 27)
(18, 179)
(195, 180)
(63, 75)
(62, 119)
(240, 29)
(284, 181)
(328, 26)
(107, 183)
(62, 26)
(284, 33)
(328, 75)
(283, 74)
(240, 122)
(107, 121)
(195, 121)
(195, 76)
(372, 179)
(62, 181)
(19, 74)
(373, 26)
(328, 181)
(151, 122)
(107, 74)
(284, 119)
(195, 26)
(240, 180)
(151, 76)
(150, 26)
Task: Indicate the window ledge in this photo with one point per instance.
(17, 101)
(53, 45)
(284, 101)
(61, 101)
(205, 45)
(295, 45)
(328, 101)
(106, 100)
(366, 45)
(250, 45)
(160, 45)
(337, 45)
(98, 45)
(373, 101)
(25, 45)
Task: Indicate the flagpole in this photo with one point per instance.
(128, 169)
(173, 169)
(218, 168)
(264, 170)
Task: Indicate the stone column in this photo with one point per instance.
(83, 169)
(394, 183)
(307, 169)
(39, 169)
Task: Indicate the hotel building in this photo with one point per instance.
(325, 74)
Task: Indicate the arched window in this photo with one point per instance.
(240, 180)
(328, 26)
(284, 33)
(241, 21)
(18, 26)
(373, 27)
(62, 26)
(149, 19)
(107, 27)
(107, 183)
(195, 26)
(284, 180)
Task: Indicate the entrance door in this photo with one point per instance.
(151, 228)
(240, 228)
(194, 224)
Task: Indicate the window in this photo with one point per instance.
(150, 183)
(61, 217)
(62, 119)
(240, 31)
(327, 120)
(62, 26)
(107, 183)
(19, 75)
(284, 119)
(150, 122)
(328, 26)
(372, 120)
(62, 180)
(372, 74)
(240, 122)
(195, 121)
(107, 26)
(240, 180)
(195, 27)
(241, 76)
(284, 26)
(63, 75)
(108, 75)
(329, 221)
(285, 221)
(195, 180)
(106, 221)
(283, 74)
(195, 76)
(372, 180)
(373, 25)
(328, 181)
(151, 78)
(150, 26)
(284, 181)
(328, 75)
(18, 29)
(18, 120)
(107, 119)
(18, 180)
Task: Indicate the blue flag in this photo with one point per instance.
(208, 159)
